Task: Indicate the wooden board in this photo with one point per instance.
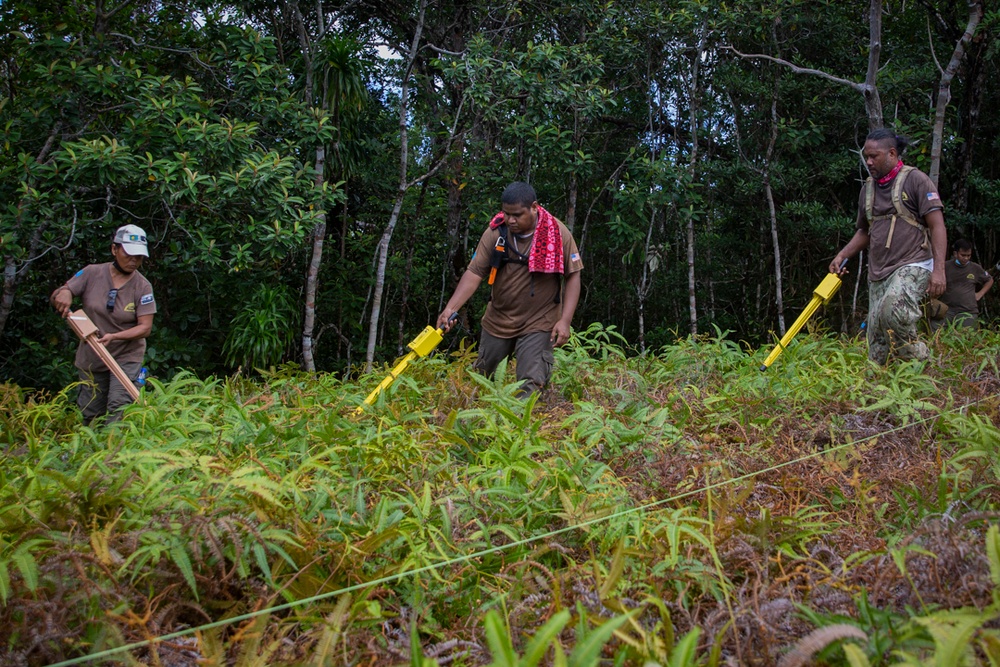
(87, 331)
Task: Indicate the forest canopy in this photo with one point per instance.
(313, 177)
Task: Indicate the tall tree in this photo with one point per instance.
(869, 87)
(976, 10)
(403, 185)
(333, 81)
(131, 136)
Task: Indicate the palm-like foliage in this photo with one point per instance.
(682, 509)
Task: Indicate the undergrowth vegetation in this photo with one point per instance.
(679, 508)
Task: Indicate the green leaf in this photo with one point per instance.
(498, 638)
(183, 562)
(953, 632)
(416, 651)
(993, 553)
(615, 573)
(27, 566)
(855, 656)
(539, 644)
(683, 654)
(588, 652)
(4, 583)
(260, 555)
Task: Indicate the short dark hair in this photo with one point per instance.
(884, 135)
(961, 244)
(519, 193)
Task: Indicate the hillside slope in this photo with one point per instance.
(680, 507)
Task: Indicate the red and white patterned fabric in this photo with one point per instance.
(546, 254)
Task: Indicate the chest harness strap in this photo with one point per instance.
(897, 203)
(503, 255)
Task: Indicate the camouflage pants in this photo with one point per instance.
(894, 312)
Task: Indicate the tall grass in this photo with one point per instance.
(680, 507)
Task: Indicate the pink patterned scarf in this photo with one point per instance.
(892, 174)
(546, 250)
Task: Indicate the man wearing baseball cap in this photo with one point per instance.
(119, 301)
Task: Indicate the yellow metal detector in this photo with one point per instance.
(420, 346)
(821, 296)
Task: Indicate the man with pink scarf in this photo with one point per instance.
(901, 223)
(524, 254)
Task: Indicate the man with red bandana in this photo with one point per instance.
(533, 266)
(901, 223)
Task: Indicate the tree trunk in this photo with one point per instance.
(868, 89)
(692, 168)
(944, 87)
(645, 283)
(779, 301)
(873, 102)
(404, 302)
(574, 185)
(976, 73)
(574, 189)
(319, 232)
(12, 276)
(9, 288)
(383, 247)
(312, 275)
(454, 264)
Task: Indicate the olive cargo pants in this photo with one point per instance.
(533, 352)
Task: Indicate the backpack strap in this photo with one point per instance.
(499, 254)
(897, 203)
(502, 255)
(869, 199)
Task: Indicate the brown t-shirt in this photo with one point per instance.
(523, 302)
(963, 281)
(93, 284)
(920, 197)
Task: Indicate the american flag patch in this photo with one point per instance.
(931, 196)
(574, 256)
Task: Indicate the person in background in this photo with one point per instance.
(119, 301)
(968, 283)
(901, 223)
(524, 254)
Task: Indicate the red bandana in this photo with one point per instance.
(892, 174)
(546, 249)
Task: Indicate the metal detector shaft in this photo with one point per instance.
(821, 296)
(420, 346)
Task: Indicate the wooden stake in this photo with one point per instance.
(87, 331)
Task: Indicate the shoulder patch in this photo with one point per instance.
(931, 196)
(78, 273)
(574, 257)
(146, 299)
